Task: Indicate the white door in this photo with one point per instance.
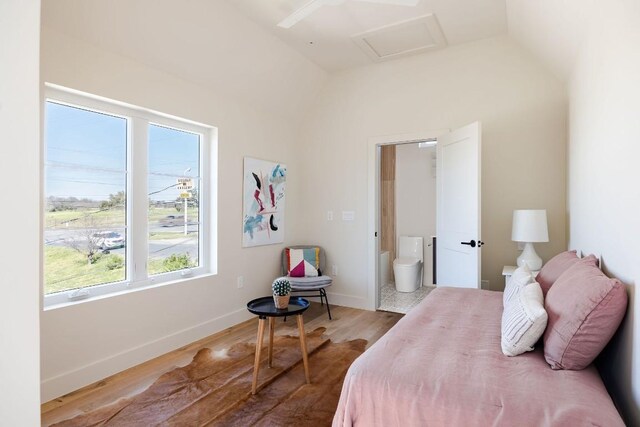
(458, 208)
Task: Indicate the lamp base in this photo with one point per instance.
(530, 258)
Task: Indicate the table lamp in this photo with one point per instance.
(530, 226)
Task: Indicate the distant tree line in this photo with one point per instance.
(115, 200)
(57, 204)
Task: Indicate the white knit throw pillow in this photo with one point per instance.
(523, 320)
(518, 280)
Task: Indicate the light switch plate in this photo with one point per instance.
(348, 215)
(329, 215)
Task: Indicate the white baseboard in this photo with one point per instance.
(348, 301)
(67, 382)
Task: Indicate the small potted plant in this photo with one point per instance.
(281, 292)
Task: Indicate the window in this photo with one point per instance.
(174, 183)
(128, 200)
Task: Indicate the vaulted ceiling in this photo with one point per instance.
(236, 46)
(325, 36)
(551, 30)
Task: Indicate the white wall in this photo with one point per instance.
(604, 178)
(522, 109)
(603, 74)
(416, 199)
(19, 162)
(206, 42)
(93, 339)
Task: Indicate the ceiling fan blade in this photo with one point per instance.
(394, 2)
(301, 13)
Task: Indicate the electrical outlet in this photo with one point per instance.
(334, 270)
(240, 282)
(329, 215)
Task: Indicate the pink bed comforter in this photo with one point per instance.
(441, 365)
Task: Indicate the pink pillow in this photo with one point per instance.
(585, 308)
(554, 268)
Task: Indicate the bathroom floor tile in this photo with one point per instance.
(401, 302)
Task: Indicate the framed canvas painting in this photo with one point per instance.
(263, 202)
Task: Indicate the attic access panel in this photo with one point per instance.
(404, 38)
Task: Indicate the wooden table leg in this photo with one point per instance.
(272, 326)
(256, 364)
(303, 347)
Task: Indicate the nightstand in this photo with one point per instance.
(507, 272)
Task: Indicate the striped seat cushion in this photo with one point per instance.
(309, 283)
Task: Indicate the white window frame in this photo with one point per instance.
(137, 247)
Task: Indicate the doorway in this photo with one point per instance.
(457, 260)
(407, 224)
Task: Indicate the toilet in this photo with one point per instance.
(407, 268)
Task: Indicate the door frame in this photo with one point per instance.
(373, 201)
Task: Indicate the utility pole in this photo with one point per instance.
(186, 204)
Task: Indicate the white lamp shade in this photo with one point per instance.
(530, 225)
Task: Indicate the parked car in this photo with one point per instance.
(106, 240)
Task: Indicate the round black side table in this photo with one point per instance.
(265, 307)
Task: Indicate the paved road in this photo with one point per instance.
(157, 248)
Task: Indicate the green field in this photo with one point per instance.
(108, 218)
(66, 269)
(170, 235)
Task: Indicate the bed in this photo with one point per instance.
(442, 365)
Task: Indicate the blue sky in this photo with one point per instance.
(87, 155)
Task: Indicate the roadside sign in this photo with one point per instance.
(186, 195)
(185, 184)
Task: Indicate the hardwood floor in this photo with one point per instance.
(347, 324)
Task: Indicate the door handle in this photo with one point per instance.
(471, 243)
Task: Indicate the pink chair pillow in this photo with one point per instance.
(554, 268)
(585, 308)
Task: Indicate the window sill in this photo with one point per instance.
(131, 288)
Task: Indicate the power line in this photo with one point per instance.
(105, 151)
(164, 189)
(85, 182)
(89, 168)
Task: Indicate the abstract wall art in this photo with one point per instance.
(263, 200)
